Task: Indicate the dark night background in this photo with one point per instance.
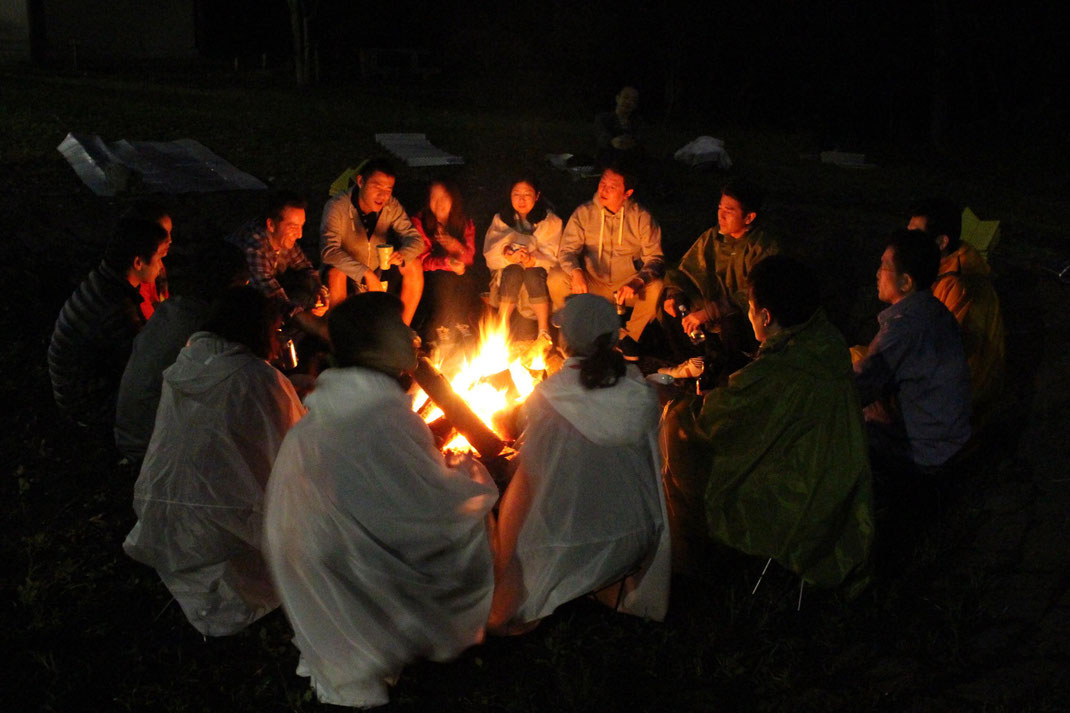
(942, 96)
(919, 70)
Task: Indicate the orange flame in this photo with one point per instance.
(468, 375)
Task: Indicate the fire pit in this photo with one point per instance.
(465, 389)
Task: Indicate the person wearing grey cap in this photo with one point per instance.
(584, 511)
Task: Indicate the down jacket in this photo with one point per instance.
(90, 344)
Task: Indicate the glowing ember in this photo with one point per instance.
(480, 378)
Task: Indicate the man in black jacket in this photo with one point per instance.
(96, 327)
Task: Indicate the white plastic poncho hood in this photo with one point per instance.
(199, 496)
(379, 550)
(586, 506)
(623, 414)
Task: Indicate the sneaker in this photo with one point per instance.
(689, 369)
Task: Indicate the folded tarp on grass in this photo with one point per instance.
(182, 166)
(415, 150)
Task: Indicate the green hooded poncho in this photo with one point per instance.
(778, 464)
(715, 267)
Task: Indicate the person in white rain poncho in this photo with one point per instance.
(199, 496)
(378, 545)
(585, 510)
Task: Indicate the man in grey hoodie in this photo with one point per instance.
(354, 223)
(611, 247)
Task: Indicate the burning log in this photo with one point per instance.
(467, 423)
(442, 430)
(503, 381)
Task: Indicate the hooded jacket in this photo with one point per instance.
(544, 243)
(199, 497)
(345, 244)
(716, 267)
(613, 248)
(964, 285)
(155, 348)
(782, 469)
(585, 507)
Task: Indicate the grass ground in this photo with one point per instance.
(970, 612)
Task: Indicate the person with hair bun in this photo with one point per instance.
(584, 511)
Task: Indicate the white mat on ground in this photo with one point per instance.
(182, 166)
(415, 150)
(704, 151)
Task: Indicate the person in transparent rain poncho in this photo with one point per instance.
(584, 512)
(199, 496)
(378, 544)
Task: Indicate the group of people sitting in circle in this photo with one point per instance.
(379, 547)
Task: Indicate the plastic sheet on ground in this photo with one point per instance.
(846, 160)
(578, 166)
(182, 166)
(415, 150)
(705, 151)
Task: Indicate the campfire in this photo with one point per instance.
(466, 390)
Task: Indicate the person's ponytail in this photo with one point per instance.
(604, 366)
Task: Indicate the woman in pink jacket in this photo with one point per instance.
(449, 237)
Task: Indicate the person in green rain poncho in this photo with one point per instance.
(712, 279)
(775, 463)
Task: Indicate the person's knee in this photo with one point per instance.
(651, 292)
(535, 282)
(512, 275)
(337, 285)
(412, 267)
(412, 274)
(334, 275)
(559, 286)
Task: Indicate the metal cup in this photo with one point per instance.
(384, 252)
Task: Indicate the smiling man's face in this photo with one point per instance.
(375, 191)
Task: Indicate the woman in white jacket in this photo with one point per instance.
(585, 510)
(521, 249)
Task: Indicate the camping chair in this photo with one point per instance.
(346, 180)
(612, 594)
(981, 234)
(802, 583)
